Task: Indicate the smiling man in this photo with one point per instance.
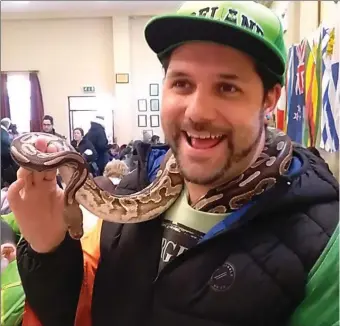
(255, 214)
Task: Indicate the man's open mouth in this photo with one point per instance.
(203, 140)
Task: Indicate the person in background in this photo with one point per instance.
(113, 173)
(82, 145)
(8, 166)
(13, 132)
(48, 126)
(114, 152)
(155, 140)
(146, 137)
(12, 293)
(97, 136)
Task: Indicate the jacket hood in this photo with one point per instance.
(308, 182)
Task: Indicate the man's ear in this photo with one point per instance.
(272, 97)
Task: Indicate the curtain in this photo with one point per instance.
(5, 109)
(37, 105)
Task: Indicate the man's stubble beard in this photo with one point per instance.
(220, 176)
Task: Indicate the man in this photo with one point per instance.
(97, 136)
(48, 126)
(254, 215)
(8, 167)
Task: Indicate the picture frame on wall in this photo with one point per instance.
(142, 120)
(154, 121)
(154, 104)
(122, 78)
(142, 105)
(154, 90)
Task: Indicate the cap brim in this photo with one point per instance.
(165, 33)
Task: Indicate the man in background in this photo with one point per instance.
(8, 167)
(48, 126)
(97, 136)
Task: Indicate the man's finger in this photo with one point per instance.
(41, 144)
(50, 175)
(52, 148)
(22, 173)
(14, 190)
(38, 177)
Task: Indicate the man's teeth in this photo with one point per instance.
(204, 136)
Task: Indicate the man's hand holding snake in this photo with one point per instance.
(38, 204)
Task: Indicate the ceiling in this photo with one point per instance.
(76, 8)
(54, 9)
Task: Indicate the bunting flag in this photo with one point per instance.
(296, 91)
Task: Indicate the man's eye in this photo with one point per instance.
(227, 88)
(181, 84)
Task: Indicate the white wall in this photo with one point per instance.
(146, 70)
(68, 53)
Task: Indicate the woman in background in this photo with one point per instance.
(86, 149)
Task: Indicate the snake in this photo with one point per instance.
(159, 195)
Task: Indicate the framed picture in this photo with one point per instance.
(154, 105)
(142, 120)
(154, 120)
(122, 78)
(142, 105)
(154, 90)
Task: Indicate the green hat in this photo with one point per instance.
(245, 25)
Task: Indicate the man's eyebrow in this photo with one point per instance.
(229, 76)
(176, 74)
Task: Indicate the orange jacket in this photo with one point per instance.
(91, 250)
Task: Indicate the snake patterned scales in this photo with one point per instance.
(81, 188)
(153, 200)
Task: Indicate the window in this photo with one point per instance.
(19, 93)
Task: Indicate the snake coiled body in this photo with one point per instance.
(158, 196)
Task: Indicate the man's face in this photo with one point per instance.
(47, 126)
(213, 111)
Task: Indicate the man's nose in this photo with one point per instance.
(201, 107)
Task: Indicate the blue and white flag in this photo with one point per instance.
(296, 91)
(330, 117)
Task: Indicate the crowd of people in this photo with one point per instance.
(92, 145)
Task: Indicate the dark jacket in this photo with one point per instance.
(83, 146)
(8, 166)
(5, 144)
(97, 136)
(253, 273)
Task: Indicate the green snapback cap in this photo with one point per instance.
(245, 25)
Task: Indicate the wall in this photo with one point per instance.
(68, 53)
(146, 70)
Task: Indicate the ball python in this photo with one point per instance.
(150, 202)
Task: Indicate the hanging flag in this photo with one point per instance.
(312, 80)
(280, 110)
(330, 82)
(296, 105)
